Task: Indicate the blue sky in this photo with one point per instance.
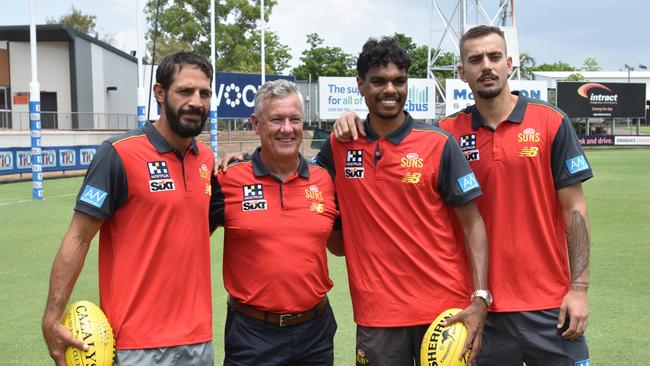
(614, 33)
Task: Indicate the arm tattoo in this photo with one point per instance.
(577, 237)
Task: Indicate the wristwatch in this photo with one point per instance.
(484, 295)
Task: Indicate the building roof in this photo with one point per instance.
(55, 32)
(593, 74)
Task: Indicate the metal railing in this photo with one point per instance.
(69, 120)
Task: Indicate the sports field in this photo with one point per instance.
(619, 207)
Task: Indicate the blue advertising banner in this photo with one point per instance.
(235, 93)
(16, 160)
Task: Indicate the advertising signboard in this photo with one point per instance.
(587, 99)
(341, 94)
(459, 96)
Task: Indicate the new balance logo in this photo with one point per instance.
(529, 152)
(412, 178)
(93, 196)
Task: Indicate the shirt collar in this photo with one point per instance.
(159, 142)
(394, 137)
(260, 170)
(516, 116)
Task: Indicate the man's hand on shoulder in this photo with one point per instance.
(222, 163)
(348, 127)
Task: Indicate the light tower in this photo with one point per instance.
(449, 19)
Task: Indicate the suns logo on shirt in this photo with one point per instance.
(528, 135)
(313, 193)
(412, 160)
(467, 144)
(253, 197)
(354, 164)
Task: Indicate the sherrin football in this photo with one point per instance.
(442, 346)
(89, 324)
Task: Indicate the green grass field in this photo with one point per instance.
(619, 207)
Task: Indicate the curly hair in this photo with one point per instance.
(380, 53)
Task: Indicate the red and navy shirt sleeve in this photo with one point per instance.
(568, 161)
(104, 188)
(456, 182)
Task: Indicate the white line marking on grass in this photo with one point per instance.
(30, 200)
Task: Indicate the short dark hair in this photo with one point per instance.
(381, 53)
(172, 64)
(478, 32)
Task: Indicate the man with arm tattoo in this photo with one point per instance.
(530, 166)
(527, 156)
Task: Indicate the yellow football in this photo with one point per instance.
(442, 346)
(89, 324)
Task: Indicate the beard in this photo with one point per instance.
(489, 93)
(492, 92)
(185, 129)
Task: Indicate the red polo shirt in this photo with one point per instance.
(520, 165)
(274, 255)
(396, 195)
(154, 244)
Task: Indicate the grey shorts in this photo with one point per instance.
(200, 354)
(510, 339)
(399, 346)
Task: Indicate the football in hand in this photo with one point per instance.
(442, 346)
(89, 324)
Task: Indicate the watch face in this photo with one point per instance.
(485, 295)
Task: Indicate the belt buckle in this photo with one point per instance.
(283, 317)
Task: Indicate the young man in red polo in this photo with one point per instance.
(400, 188)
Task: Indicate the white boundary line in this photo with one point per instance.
(30, 200)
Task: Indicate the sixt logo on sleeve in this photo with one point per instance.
(467, 182)
(467, 144)
(354, 164)
(93, 196)
(253, 198)
(577, 164)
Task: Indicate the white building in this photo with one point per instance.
(85, 83)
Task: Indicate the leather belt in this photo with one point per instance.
(281, 320)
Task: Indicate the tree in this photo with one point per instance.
(526, 65)
(318, 60)
(575, 77)
(419, 56)
(590, 64)
(75, 19)
(185, 25)
(82, 22)
(557, 66)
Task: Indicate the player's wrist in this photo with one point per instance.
(581, 286)
(483, 295)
